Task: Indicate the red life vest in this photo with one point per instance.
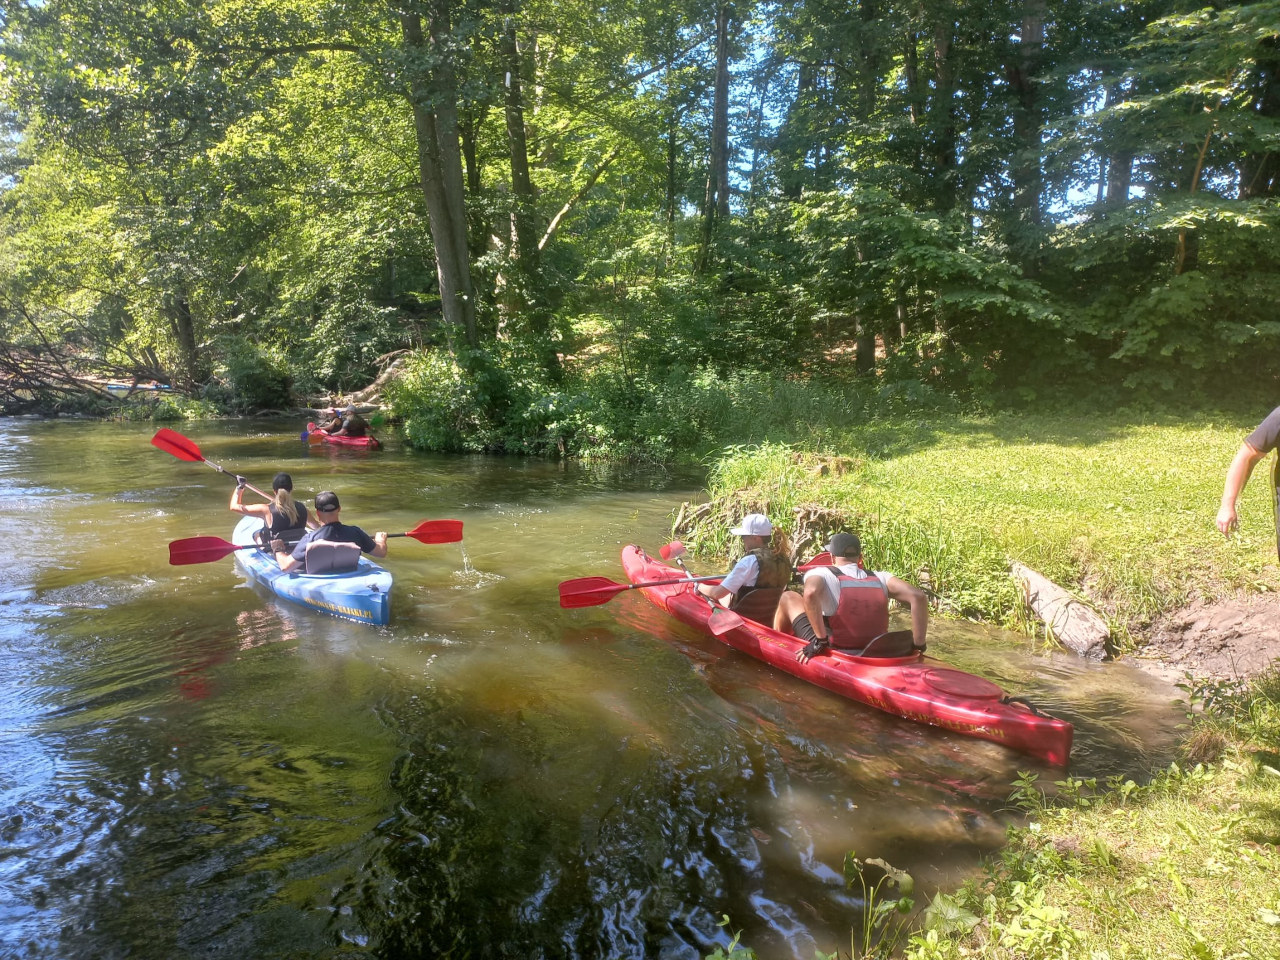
(862, 613)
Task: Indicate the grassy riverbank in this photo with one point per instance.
(1120, 509)
(1117, 508)
(1182, 867)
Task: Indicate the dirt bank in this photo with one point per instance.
(1232, 638)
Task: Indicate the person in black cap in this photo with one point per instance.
(283, 519)
(331, 529)
(845, 606)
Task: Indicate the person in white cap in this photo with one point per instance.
(761, 571)
(844, 605)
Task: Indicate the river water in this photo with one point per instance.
(189, 767)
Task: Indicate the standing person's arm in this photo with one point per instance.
(916, 599)
(1256, 446)
(1246, 459)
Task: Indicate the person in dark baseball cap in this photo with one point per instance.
(331, 529)
(843, 605)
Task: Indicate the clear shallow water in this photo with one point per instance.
(189, 767)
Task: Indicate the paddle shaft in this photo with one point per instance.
(175, 444)
(728, 622)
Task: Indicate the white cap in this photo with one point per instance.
(753, 525)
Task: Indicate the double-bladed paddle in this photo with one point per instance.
(170, 441)
(208, 549)
(593, 591)
(722, 618)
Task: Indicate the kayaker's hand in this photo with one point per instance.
(241, 482)
(812, 649)
(277, 546)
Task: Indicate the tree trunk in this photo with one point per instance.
(1119, 165)
(433, 96)
(517, 302)
(182, 323)
(716, 203)
(1027, 129)
(1186, 256)
(943, 121)
(522, 216)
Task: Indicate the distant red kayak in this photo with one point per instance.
(912, 687)
(319, 436)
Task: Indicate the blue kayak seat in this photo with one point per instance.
(325, 556)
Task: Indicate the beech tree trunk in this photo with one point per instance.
(433, 96)
(716, 204)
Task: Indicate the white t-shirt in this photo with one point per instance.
(831, 595)
(744, 574)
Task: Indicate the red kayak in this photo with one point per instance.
(319, 436)
(913, 687)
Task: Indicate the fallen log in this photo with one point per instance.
(1066, 618)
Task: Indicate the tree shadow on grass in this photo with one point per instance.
(886, 439)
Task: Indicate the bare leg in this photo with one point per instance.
(790, 605)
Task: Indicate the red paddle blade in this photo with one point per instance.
(171, 441)
(821, 560)
(589, 592)
(722, 621)
(673, 549)
(199, 550)
(437, 531)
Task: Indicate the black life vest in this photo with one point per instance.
(280, 527)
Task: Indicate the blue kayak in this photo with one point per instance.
(363, 595)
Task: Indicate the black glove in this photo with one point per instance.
(241, 482)
(277, 546)
(813, 648)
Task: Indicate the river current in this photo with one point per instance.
(190, 767)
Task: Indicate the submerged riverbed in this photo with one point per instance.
(190, 767)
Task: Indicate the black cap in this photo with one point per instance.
(845, 545)
(326, 501)
(282, 481)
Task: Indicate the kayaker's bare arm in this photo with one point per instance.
(248, 509)
(1246, 459)
(813, 587)
(712, 590)
(284, 557)
(916, 599)
(380, 544)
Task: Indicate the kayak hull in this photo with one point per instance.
(319, 436)
(363, 595)
(911, 687)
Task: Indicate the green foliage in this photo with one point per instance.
(258, 377)
(885, 892)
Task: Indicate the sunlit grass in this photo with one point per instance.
(1122, 511)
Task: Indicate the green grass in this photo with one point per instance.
(1118, 509)
(1182, 867)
